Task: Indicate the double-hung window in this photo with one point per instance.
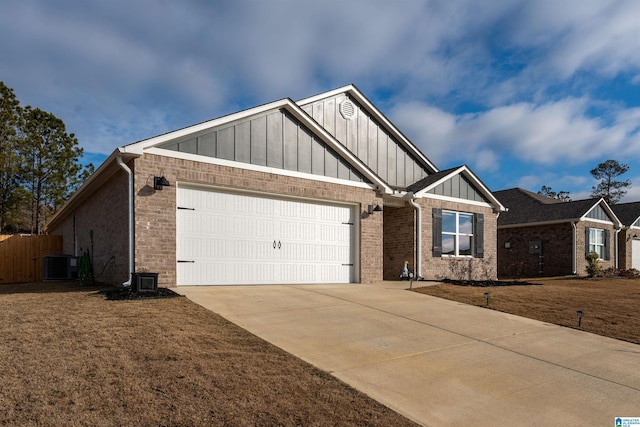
(597, 242)
(457, 233)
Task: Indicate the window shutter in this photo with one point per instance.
(607, 255)
(586, 241)
(479, 235)
(437, 232)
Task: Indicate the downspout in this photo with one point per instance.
(418, 209)
(575, 249)
(131, 236)
(617, 248)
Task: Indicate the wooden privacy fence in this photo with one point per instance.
(21, 256)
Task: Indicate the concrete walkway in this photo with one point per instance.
(440, 362)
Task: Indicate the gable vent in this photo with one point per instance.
(347, 109)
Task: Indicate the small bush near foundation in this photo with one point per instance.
(593, 266)
(624, 273)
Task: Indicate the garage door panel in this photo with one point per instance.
(228, 238)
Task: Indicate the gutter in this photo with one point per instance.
(618, 230)
(575, 248)
(131, 235)
(418, 209)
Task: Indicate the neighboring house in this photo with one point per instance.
(629, 237)
(538, 235)
(286, 192)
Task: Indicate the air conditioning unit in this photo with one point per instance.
(145, 282)
(60, 267)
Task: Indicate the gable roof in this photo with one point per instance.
(152, 145)
(528, 208)
(628, 213)
(352, 91)
(428, 186)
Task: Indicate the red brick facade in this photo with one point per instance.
(557, 258)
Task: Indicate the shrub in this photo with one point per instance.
(593, 265)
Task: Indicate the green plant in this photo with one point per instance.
(593, 265)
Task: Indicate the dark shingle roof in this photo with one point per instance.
(526, 207)
(627, 213)
(430, 179)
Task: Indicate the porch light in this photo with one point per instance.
(371, 209)
(159, 182)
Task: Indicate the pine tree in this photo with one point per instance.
(608, 188)
(50, 169)
(11, 194)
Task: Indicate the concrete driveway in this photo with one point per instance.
(440, 362)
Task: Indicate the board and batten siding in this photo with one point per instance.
(367, 139)
(274, 139)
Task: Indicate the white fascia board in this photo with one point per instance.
(458, 200)
(147, 144)
(140, 146)
(247, 166)
(608, 210)
(464, 170)
(321, 132)
(375, 112)
(97, 178)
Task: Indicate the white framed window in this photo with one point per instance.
(597, 242)
(457, 234)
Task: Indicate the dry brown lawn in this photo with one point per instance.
(70, 357)
(610, 306)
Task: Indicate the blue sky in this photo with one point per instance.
(527, 93)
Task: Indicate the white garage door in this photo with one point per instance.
(635, 254)
(231, 239)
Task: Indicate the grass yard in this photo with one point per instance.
(610, 306)
(70, 357)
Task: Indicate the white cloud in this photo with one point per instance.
(555, 133)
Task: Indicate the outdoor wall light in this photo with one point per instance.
(159, 182)
(580, 314)
(371, 209)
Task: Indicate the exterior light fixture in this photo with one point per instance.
(580, 314)
(159, 182)
(371, 209)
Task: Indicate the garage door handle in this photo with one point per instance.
(182, 260)
(274, 244)
(349, 265)
(279, 244)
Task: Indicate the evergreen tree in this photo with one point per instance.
(548, 192)
(608, 188)
(11, 194)
(50, 169)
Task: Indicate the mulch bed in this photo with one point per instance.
(488, 283)
(129, 294)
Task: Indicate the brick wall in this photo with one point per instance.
(557, 250)
(450, 267)
(101, 227)
(625, 242)
(155, 211)
(399, 240)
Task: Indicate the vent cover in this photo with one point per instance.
(347, 109)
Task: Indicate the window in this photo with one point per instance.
(457, 234)
(597, 242)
